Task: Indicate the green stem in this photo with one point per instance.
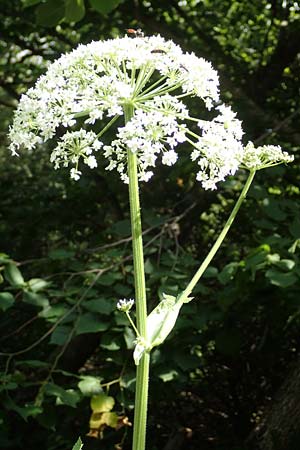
(220, 239)
(142, 374)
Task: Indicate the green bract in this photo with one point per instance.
(160, 323)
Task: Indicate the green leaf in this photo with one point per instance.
(129, 337)
(211, 272)
(37, 284)
(53, 313)
(75, 10)
(6, 300)
(60, 334)
(78, 445)
(110, 342)
(102, 403)
(13, 275)
(101, 305)
(108, 279)
(90, 385)
(50, 13)
(4, 258)
(24, 411)
(35, 299)
(104, 6)
(228, 272)
(286, 264)
(281, 279)
(63, 397)
(90, 323)
(123, 227)
(295, 228)
(122, 291)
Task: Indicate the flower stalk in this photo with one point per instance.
(142, 374)
(188, 290)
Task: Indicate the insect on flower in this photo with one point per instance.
(134, 33)
(158, 50)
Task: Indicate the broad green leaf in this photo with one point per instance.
(4, 258)
(295, 228)
(78, 445)
(110, 342)
(228, 272)
(90, 323)
(105, 6)
(75, 10)
(257, 259)
(101, 305)
(121, 228)
(281, 279)
(273, 209)
(6, 300)
(13, 275)
(60, 334)
(37, 284)
(90, 385)
(35, 299)
(211, 272)
(122, 290)
(28, 410)
(129, 337)
(109, 419)
(108, 279)
(70, 398)
(52, 313)
(50, 13)
(102, 403)
(286, 264)
(64, 397)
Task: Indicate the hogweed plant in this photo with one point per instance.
(137, 88)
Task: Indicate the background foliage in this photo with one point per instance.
(67, 367)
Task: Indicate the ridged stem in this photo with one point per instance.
(142, 374)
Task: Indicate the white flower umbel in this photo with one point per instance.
(125, 304)
(256, 158)
(91, 87)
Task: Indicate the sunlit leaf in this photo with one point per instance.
(13, 275)
(6, 300)
(78, 445)
(102, 403)
(90, 385)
